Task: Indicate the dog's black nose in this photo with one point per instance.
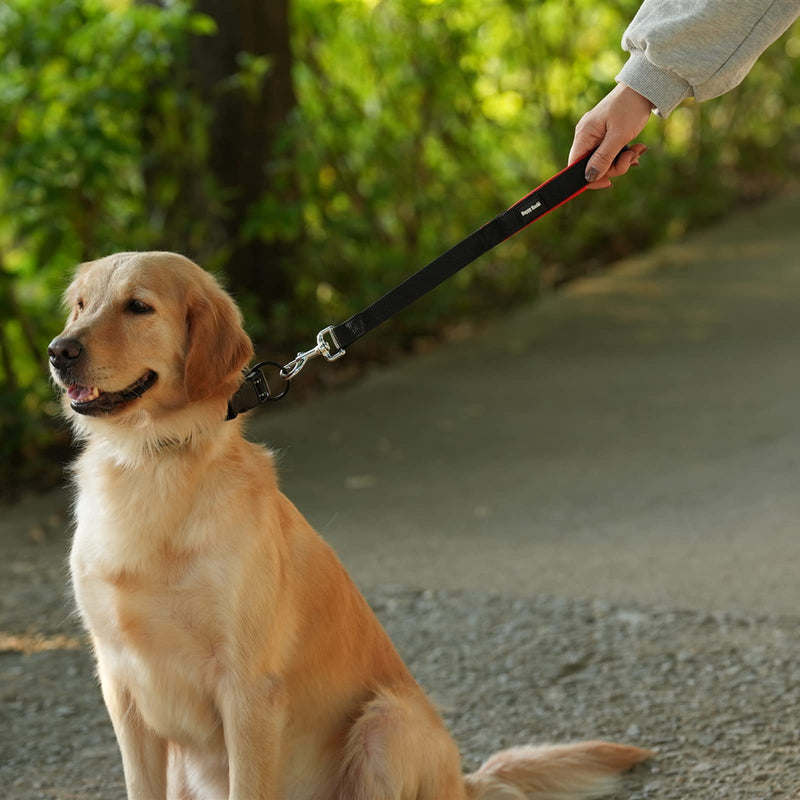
(63, 352)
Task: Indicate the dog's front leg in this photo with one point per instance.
(144, 755)
(253, 718)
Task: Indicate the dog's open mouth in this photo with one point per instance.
(93, 401)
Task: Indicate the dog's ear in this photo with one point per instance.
(217, 346)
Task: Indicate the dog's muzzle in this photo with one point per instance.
(65, 357)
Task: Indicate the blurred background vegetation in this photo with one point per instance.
(314, 152)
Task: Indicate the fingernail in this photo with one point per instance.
(592, 174)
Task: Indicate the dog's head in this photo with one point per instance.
(149, 335)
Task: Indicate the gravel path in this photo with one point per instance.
(718, 695)
(638, 442)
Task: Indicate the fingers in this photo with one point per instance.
(603, 159)
(603, 183)
(624, 161)
(586, 139)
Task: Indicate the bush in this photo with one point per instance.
(417, 120)
(86, 107)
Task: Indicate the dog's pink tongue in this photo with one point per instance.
(78, 393)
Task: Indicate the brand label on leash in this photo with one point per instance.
(533, 206)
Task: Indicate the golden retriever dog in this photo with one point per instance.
(236, 657)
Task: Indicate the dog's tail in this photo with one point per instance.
(553, 772)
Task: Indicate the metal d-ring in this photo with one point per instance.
(259, 381)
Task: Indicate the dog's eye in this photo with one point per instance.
(138, 307)
(80, 304)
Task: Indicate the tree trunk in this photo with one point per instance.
(244, 128)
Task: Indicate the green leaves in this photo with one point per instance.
(417, 120)
(77, 79)
(253, 69)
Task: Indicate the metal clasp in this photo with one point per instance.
(330, 351)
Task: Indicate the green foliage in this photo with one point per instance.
(420, 119)
(84, 108)
(417, 120)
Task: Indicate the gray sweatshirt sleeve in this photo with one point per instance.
(698, 48)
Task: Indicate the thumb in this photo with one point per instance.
(604, 156)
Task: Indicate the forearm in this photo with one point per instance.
(698, 48)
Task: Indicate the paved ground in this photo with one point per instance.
(601, 491)
(636, 437)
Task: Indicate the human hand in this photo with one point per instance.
(619, 117)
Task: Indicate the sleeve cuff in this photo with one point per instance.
(664, 89)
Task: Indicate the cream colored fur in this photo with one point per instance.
(236, 657)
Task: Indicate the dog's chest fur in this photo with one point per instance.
(145, 599)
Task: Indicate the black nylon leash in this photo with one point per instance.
(333, 340)
(561, 188)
